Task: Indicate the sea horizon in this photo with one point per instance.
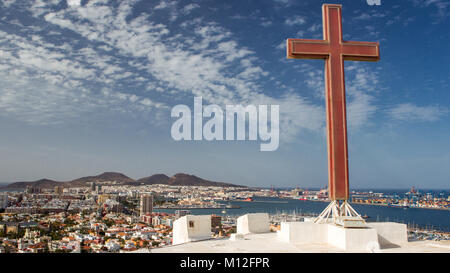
(363, 189)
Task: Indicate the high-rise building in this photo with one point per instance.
(59, 190)
(32, 189)
(92, 186)
(3, 200)
(146, 204)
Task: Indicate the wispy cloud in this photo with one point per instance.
(74, 3)
(190, 7)
(295, 20)
(361, 85)
(441, 7)
(112, 53)
(266, 23)
(165, 4)
(110, 58)
(363, 16)
(8, 3)
(413, 113)
(48, 81)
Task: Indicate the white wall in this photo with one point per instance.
(253, 223)
(303, 232)
(390, 233)
(357, 239)
(183, 232)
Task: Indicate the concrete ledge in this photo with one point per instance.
(253, 223)
(371, 238)
(303, 232)
(390, 233)
(352, 239)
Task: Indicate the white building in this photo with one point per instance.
(191, 228)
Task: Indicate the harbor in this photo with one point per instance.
(294, 209)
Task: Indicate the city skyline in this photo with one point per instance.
(88, 87)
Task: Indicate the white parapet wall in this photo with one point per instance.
(390, 233)
(371, 238)
(253, 223)
(352, 239)
(303, 232)
(191, 228)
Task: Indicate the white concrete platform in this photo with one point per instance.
(352, 239)
(253, 223)
(192, 233)
(384, 234)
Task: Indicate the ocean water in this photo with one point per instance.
(424, 218)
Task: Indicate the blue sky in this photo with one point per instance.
(87, 87)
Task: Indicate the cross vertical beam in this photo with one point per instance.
(334, 51)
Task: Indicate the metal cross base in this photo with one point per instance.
(341, 214)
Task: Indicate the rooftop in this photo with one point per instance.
(269, 243)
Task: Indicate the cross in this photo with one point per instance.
(334, 51)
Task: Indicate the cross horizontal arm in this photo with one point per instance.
(361, 51)
(307, 49)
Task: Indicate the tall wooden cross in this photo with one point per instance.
(334, 51)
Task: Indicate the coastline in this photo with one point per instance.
(384, 205)
(381, 205)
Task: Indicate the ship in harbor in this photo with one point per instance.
(404, 206)
(242, 199)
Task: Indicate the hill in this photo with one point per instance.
(106, 176)
(42, 183)
(154, 179)
(179, 179)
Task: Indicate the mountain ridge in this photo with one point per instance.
(179, 179)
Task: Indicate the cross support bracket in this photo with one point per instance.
(341, 214)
